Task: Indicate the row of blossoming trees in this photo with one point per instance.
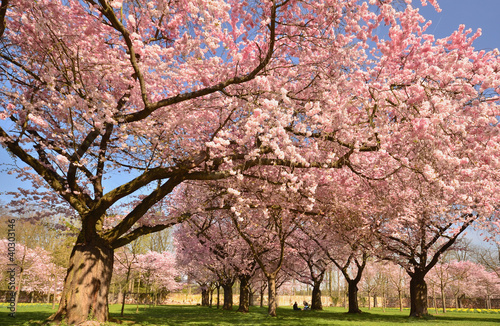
(221, 245)
(152, 276)
(310, 113)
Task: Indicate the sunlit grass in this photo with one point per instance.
(34, 314)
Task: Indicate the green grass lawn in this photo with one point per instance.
(34, 314)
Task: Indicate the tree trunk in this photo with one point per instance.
(400, 295)
(124, 298)
(369, 301)
(228, 295)
(262, 289)
(418, 295)
(443, 299)
(251, 298)
(353, 297)
(271, 296)
(55, 292)
(244, 293)
(218, 295)
(86, 286)
(205, 296)
(459, 301)
(316, 297)
(20, 282)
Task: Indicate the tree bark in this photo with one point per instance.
(459, 301)
(418, 295)
(205, 296)
(86, 286)
(244, 293)
(228, 295)
(353, 297)
(271, 296)
(316, 303)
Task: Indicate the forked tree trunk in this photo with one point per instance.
(86, 286)
(316, 303)
(244, 293)
(353, 297)
(418, 295)
(271, 296)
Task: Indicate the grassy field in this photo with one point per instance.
(34, 314)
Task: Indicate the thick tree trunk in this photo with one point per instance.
(228, 295)
(205, 296)
(244, 293)
(271, 296)
(316, 303)
(353, 297)
(418, 295)
(86, 286)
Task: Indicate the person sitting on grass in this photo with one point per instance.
(306, 305)
(295, 306)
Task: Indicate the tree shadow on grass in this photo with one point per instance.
(196, 315)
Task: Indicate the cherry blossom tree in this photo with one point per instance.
(97, 88)
(35, 271)
(397, 279)
(125, 263)
(158, 271)
(214, 234)
(308, 265)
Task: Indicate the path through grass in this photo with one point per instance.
(33, 314)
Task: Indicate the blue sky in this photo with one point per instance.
(473, 14)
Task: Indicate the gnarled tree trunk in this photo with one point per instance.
(418, 295)
(86, 286)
